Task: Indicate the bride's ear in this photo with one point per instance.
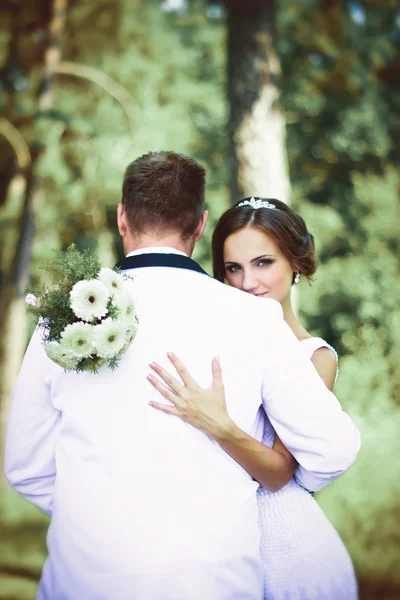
(201, 226)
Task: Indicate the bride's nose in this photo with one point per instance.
(249, 282)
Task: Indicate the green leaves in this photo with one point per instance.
(69, 266)
(65, 268)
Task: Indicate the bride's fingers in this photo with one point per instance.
(167, 377)
(169, 410)
(217, 373)
(164, 390)
(182, 370)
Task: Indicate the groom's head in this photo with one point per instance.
(162, 202)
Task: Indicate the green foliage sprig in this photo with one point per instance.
(52, 306)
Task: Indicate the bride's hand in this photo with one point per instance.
(204, 409)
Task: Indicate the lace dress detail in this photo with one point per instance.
(312, 344)
(302, 554)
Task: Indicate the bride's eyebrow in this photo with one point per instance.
(232, 262)
(262, 256)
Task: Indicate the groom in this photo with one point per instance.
(143, 506)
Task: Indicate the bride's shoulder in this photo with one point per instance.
(324, 358)
(311, 345)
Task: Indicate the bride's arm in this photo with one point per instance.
(272, 467)
(325, 363)
(206, 410)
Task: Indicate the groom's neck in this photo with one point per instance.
(149, 241)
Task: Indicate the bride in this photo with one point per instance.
(263, 247)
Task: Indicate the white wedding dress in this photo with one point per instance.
(302, 554)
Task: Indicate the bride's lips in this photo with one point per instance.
(263, 294)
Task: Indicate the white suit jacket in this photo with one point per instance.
(143, 505)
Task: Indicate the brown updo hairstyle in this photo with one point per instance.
(282, 224)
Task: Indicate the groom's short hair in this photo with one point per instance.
(163, 192)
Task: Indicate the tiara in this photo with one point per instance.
(256, 203)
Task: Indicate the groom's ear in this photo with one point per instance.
(201, 226)
(122, 221)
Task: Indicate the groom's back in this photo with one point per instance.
(197, 318)
(161, 490)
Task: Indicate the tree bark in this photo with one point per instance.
(258, 159)
(13, 321)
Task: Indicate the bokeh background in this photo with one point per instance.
(287, 99)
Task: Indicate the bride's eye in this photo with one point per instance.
(265, 262)
(232, 268)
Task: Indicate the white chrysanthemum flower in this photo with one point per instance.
(125, 346)
(58, 355)
(109, 338)
(113, 282)
(77, 340)
(130, 334)
(89, 299)
(126, 306)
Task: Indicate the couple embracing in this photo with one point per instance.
(187, 473)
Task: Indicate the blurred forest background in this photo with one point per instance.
(297, 100)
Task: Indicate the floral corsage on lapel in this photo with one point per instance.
(88, 315)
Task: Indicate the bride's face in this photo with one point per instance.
(255, 264)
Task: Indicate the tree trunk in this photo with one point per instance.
(13, 320)
(257, 125)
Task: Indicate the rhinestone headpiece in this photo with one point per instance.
(257, 203)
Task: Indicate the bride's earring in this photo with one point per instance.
(297, 277)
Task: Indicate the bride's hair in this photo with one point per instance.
(278, 221)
